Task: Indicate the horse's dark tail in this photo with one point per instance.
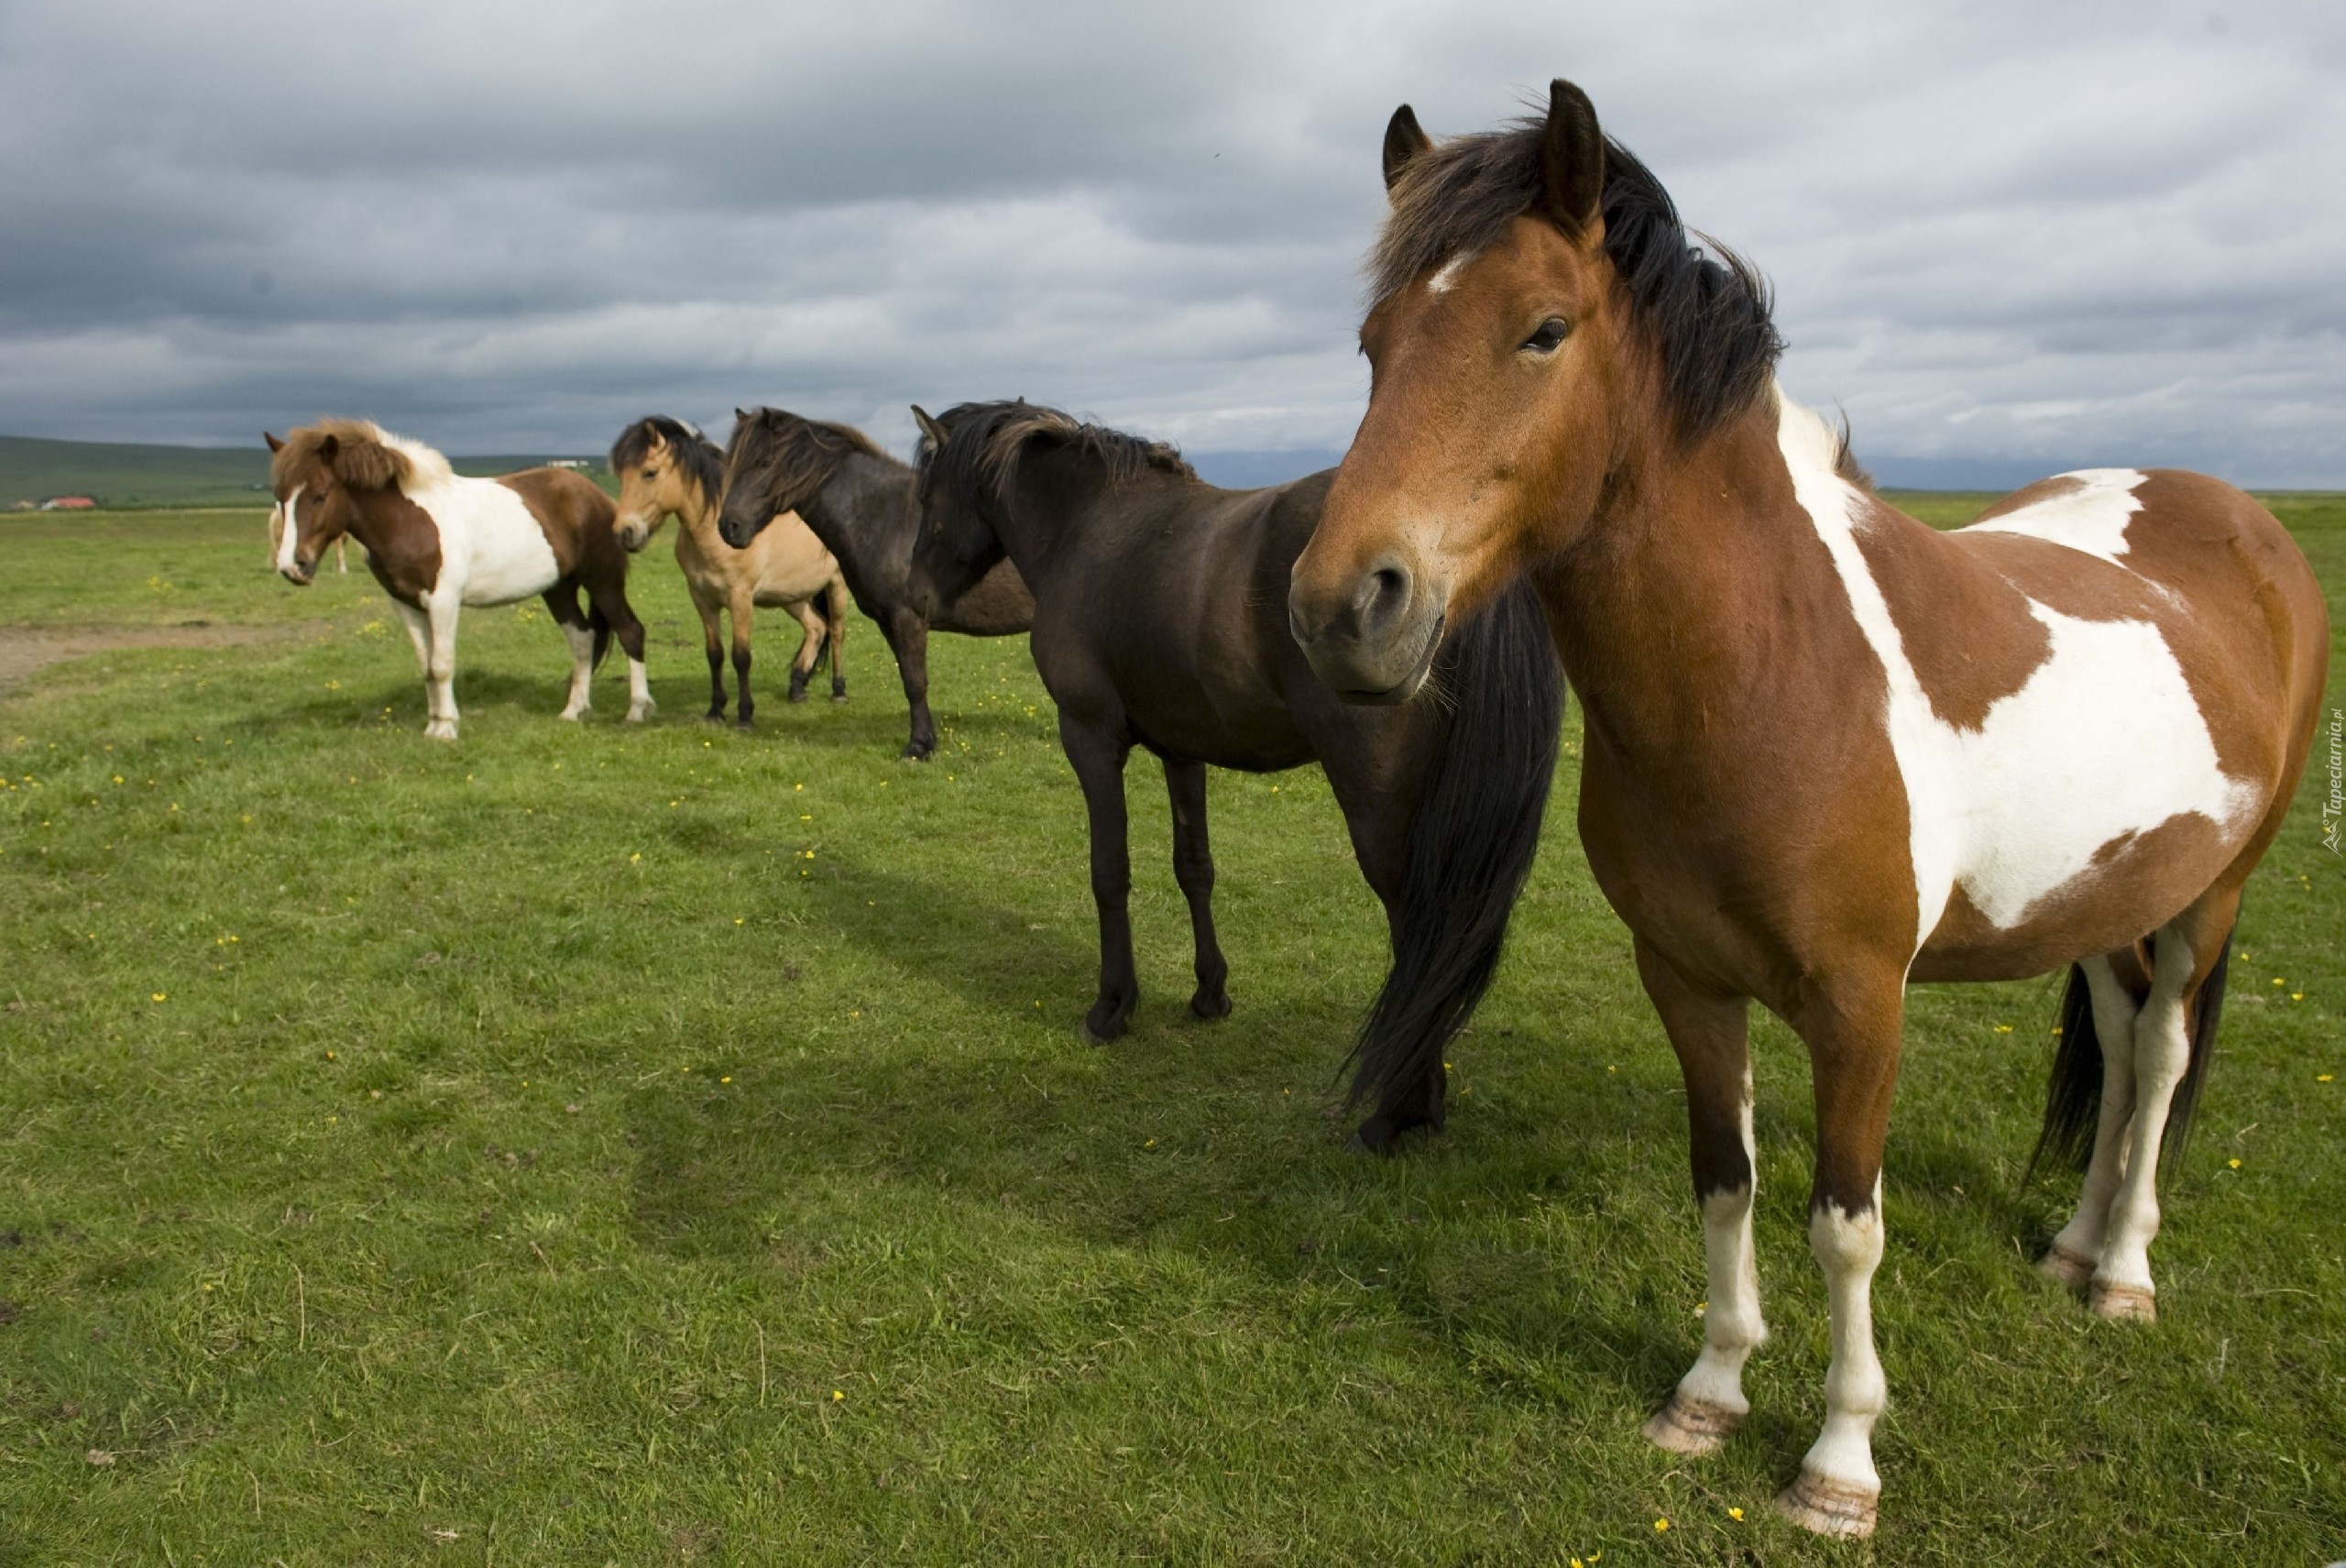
(1472, 840)
(601, 626)
(2073, 1097)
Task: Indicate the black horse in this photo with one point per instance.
(1161, 620)
(858, 502)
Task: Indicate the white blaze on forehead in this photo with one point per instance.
(1442, 283)
(289, 530)
(2103, 740)
(2091, 516)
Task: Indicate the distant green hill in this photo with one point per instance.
(121, 474)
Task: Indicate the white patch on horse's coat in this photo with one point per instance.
(2091, 517)
(289, 530)
(1848, 1249)
(493, 550)
(2102, 741)
(1445, 280)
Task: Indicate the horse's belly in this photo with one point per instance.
(2090, 801)
(505, 556)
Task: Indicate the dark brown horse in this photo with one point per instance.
(1159, 622)
(859, 501)
(1829, 750)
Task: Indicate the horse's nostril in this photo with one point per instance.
(1383, 595)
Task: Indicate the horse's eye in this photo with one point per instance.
(1551, 333)
(651, 473)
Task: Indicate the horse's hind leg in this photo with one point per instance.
(1711, 1036)
(562, 603)
(2076, 1250)
(1098, 757)
(810, 649)
(612, 600)
(2185, 954)
(1193, 868)
(835, 607)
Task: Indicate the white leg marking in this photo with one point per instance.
(1710, 1403)
(638, 693)
(441, 674)
(2121, 1281)
(1839, 1488)
(582, 670)
(2077, 1248)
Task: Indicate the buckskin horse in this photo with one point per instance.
(1158, 622)
(663, 466)
(1829, 750)
(438, 542)
(859, 501)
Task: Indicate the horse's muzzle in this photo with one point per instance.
(1372, 639)
(300, 573)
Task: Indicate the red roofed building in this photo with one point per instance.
(68, 503)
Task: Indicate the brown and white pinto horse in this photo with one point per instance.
(438, 542)
(664, 466)
(1828, 749)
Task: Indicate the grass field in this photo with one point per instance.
(606, 1143)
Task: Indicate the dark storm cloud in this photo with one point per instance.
(2000, 233)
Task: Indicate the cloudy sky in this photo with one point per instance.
(2006, 237)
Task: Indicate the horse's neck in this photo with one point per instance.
(1690, 603)
(863, 513)
(698, 514)
(1043, 507)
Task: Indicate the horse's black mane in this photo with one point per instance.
(699, 459)
(983, 443)
(799, 455)
(1706, 316)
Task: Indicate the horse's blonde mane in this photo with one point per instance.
(366, 457)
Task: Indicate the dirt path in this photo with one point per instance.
(25, 649)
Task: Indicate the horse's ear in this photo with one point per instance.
(741, 414)
(1573, 158)
(274, 445)
(329, 446)
(1404, 140)
(930, 430)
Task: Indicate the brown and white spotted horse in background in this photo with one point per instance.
(438, 542)
(1829, 750)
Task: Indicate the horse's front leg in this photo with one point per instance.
(419, 632)
(744, 613)
(1711, 1034)
(610, 599)
(1851, 1028)
(1098, 755)
(712, 641)
(440, 669)
(1193, 868)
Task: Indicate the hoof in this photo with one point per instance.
(637, 715)
(797, 693)
(1829, 1508)
(714, 716)
(1092, 1037)
(1210, 1007)
(573, 715)
(838, 696)
(1691, 1427)
(2124, 1303)
(440, 729)
(911, 754)
(745, 724)
(2065, 1269)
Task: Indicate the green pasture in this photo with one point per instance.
(660, 1143)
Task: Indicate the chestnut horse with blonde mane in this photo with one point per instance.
(1829, 750)
(438, 542)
